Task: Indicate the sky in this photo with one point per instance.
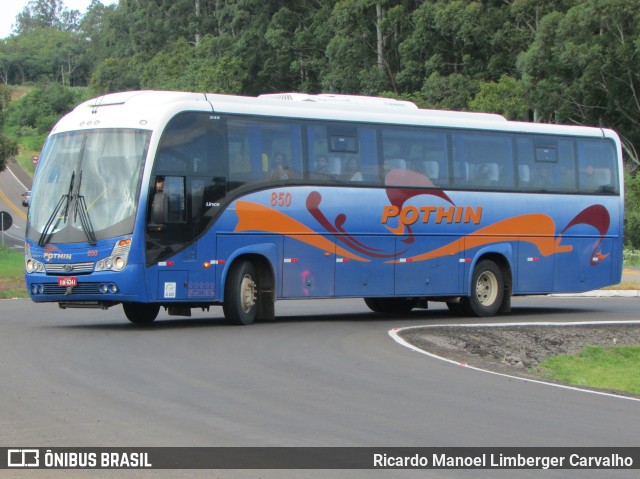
(9, 9)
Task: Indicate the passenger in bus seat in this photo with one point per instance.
(482, 177)
(352, 171)
(321, 165)
(588, 179)
(543, 177)
(279, 168)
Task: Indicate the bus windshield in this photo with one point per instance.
(87, 185)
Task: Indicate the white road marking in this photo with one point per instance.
(394, 333)
(13, 174)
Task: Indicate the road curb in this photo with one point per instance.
(601, 293)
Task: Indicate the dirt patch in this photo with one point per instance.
(516, 350)
(11, 282)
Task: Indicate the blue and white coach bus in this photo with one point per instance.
(189, 200)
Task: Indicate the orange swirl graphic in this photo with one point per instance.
(538, 229)
(256, 217)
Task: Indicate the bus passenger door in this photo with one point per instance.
(172, 284)
(371, 278)
(441, 275)
(307, 271)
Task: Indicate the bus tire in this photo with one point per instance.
(241, 294)
(141, 313)
(487, 290)
(390, 305)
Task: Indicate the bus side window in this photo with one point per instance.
(595, 167)
(413, 157)
(489, 157)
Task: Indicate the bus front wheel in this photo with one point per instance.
(390, 305)
(141, 313)
(241, 294)
(487, 290)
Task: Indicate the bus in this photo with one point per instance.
(177, 200)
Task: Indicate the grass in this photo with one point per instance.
(615, 367)
(29, 145)
(24, 159)
(624, 286)
(12, 283)
(631, 257)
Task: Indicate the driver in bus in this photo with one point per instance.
(158, 208)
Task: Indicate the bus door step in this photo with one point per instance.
(179, 311)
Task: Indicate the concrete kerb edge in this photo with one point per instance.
(601, 293)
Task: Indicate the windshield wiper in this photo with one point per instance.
(81, 209)
(65, 200)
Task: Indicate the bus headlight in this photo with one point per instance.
(33, 266)
(112, 264)
(119, 263)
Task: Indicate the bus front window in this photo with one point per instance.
(106, 166)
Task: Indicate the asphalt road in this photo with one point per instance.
(325, 373)
(11, 189)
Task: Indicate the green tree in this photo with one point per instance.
(115, 74)
(45, 55)
(582, 68)
(451, 92)
(8, 147)
(507, 96)
(46, 14)
(42, 107)
(363, 54)
(632, 211)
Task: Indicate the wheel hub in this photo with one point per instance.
(248, 293)
(487, 288)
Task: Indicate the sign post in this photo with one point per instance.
(5, 223)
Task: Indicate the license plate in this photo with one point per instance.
(68, 281)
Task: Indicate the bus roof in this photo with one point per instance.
(152, 109)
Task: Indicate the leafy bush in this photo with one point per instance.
(632, 211)
(40, 109)
(631, 257)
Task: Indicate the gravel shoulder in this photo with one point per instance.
(517, 350)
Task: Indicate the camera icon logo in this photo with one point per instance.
(23, 458)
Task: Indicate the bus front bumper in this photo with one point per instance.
(106, 288)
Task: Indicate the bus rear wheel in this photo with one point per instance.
(487, 290)
(241, 294)
(390, 305)
(141, 313)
